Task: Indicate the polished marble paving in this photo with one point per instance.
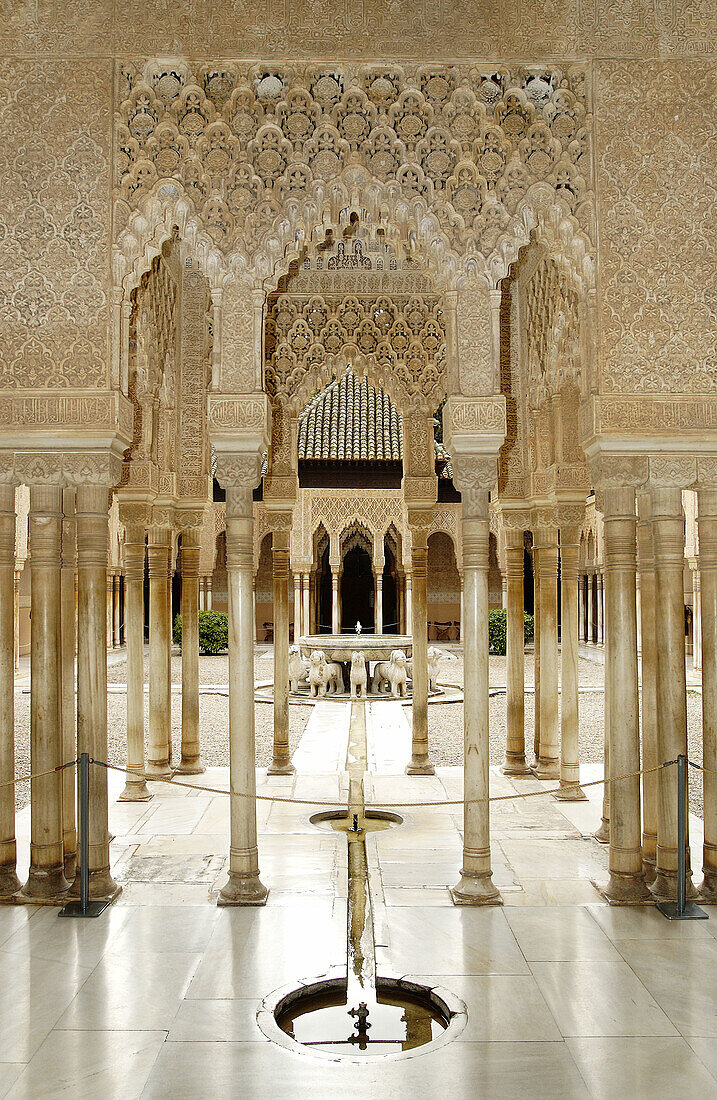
(566, 996)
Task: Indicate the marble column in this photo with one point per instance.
(602, 833)
(515, 763)
(648, 632)
(569, 710)
(504, 590)
(117, 616)
(244, 886)
(253, 611)
(191, 763)
(209, 598)
(668, 533)
(92, 532)
(305, 599)
(47, 870)
(696, 617)
(409, 601)
(590, 633)
(536, 653)
(476, 885)
(379, 604)
(9, 882)
(18, 574)
(582, 609)
(135, 789)
(548, 765)
(707, 526)
(281, 762)
(110, 609)
(160, 685)
(335, 621)
(68, 643)
(627, 883)
(638, 594)
(460, 625)
(419, 764)
(201, 593)
(297, 606)
(600, 605)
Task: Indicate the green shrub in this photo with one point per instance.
(213, 632)
(498, 631)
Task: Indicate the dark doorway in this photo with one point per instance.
(390, 592)
(357, 591)
(323, 592)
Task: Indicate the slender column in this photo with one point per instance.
(47, 873)
(668, 532)
(68, 635)
(419, 764)
(297, 606)
(504, 591)
(409, 599)
(591, 582)
(335, 623)
(569, 719)
(208, 593)
(281, 762)
(476, 885)
(602, 833)
(600, 604)
(191, 763)
(244, 886)
(92, 532)
(160, 686)
(460, 626)
(707, 525)
(379, 604)
(110, 609)
(536, 653)
(548, 766)
(648, 629)
(201, 593)
(18, 574)
(253, 609)
(515, 763)
(581, 615)
(116, 626)
(696, 618)
(638, 594)
(305, 596)
(627, 884)
(9, 882)
(134, 554)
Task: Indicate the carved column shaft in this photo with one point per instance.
(281, 762)
(569, 716)
(68, 630)
(515, 763)
(92, 534)
(244, 886)
(160, 685)
(306, 597)
(648, 628)
(9, 882)
(548, 765)
(620, 523)
(191, 763)
(668, 532)
(419, 763)
(47, 877)
(536, 653)
(707, 521)
(134, 556)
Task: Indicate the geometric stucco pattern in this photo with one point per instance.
(657, 211)
(54, 224)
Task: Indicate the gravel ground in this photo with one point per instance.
(445, 720)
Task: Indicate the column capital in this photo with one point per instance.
(92, 468)
(618, 471)
(672, 471)
(38, 468)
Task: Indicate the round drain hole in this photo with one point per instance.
(371, 820)
(401, 1018)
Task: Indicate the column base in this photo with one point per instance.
(708, 889)
(476, 890)
(46, 882)
(546, 769)
(71, 867)
(602, 835)
(243, 891)
(158, 771)
(649, 868)
(664, 888)
(515, 767)
(570, 792)
(420, 765)
(625, 889)
(135, 791)
(190, 767)
(102, 886)
(281, 767)
(9, 882)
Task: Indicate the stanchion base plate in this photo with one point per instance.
(74, 909)
(691, 911)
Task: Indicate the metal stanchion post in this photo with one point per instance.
(681, 909)
(84, 907)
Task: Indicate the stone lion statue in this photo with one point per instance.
(391, 675)
(298, 669)
(359, 675)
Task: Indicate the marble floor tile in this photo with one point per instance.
(563, 857)
(625, 923)
(682, 977)
(599, 997)
(164, 928)
(132, 992)
(88, 1065)
(9, 1073)
(429, 895)
(641, 1068)
(559, 932)
(34, 993)
(449, 941)
(501, 1007)
(15, 917)
(67, 941)
(207, 1021)
(706, 1050)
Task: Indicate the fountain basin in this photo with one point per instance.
(339, 647)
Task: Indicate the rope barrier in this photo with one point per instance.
(37, 775)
